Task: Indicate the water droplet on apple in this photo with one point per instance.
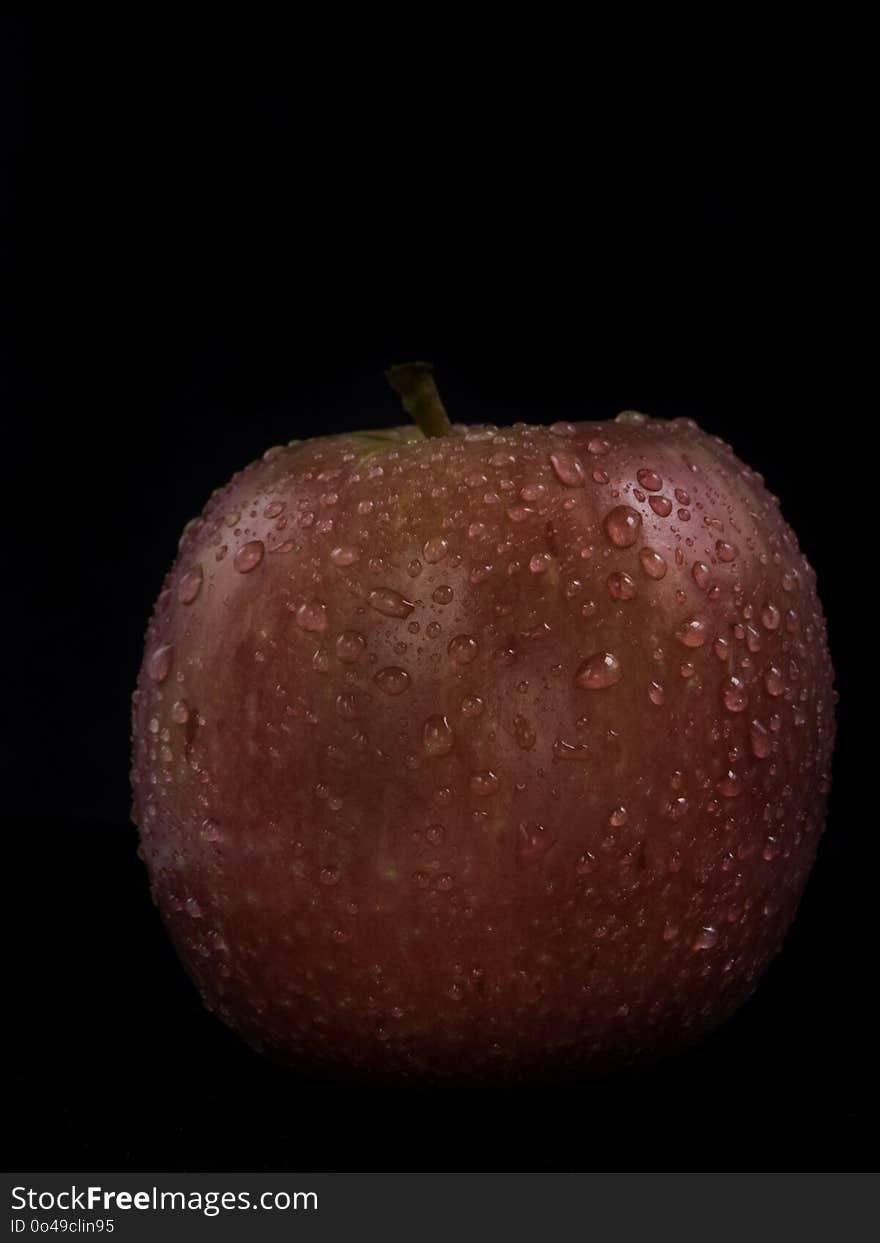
(730, 785)
(661, 505)
(344, 555)
(656, 693)
(442, 594)
(693, 632)
(706, 938)
(180, 712)
(532, 843)
(472, 705)
(621, 586)
(484, 784)
(437, 736)
(350, 646)
(631, 418)
(190, 585)
(774, 681)
(392, 680)
(649, 480)
(598, 446)
(652, 563)
(540, 563)
(462, 649)
(159, 664)
(567, 469)
(586, 864)
(598, 672)
(701, 575)
(389, 603)
(618, 817)
(622, 526)
(562, 429)
(770, 617)
(726, 552)
(435, 550)
(760, 740)
(274, 508)
(329, 875)
(312, 616)
(524, 733)
(734, 695)
(249, 556)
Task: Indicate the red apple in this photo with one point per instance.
(483, 753)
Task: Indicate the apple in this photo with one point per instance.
(479, 752)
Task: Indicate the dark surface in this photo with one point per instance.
(197, 268)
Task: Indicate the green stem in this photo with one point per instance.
(414, 385)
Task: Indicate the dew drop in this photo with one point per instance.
(598, 446)
(656, 693)
(532, 843)
(701, 575)
(484, 784)
(312, 616)
(180, 712)
(705, 938)
(622, 526)
(618, 817)
(734, 695)
(437, 736)
(774, 681)
(562, 429)
(621, 586)
(462, 649)
(190, 585)
(350, 646)
(524, 733)
(392, 680)
(389, 603)
(726, 552)
(344, 554)
(540, 563)
(730, 785)
(721, 648)
(159, 664)
(661, 505)
(693, 632)
(598, 672)
(649, 480)
(652, 563)
(249, 556)
(567, 469)
(760, 740)
(435, 550)
(770, 617)
(329, 876)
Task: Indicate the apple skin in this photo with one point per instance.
(486, 756)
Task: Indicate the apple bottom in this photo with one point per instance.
(600, 982)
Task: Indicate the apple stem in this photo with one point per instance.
(414, 385)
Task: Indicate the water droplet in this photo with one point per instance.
(670, 931)
(661, 505)
(274, 508)
(598, 446)
(701, 575)
(726, 552)
(350, 646)
(524, 733)
(618, 817)
(721, 648)
(472, 705)
(693, 632)
(730, 785)
(649, 480)
(437, 736)
(562, 429)
(180, 712)
(770, 617)
(435, 550)
(567, 469)
(484, 784)
(532, 843)
(249, 556)
(734, 695)
(622, 526)
(540, 563)
(598, 672)
(652, 563)
(312, 616)
(391, 680)
(345, 554)
(462, 649)
(656, 693)
(774, 681)
(621, 586)
(389, 603)
(532, 492)
(760, 740)
(705, 938)
(190, 585)
(329, 876)
(631, 418)
(159, 664)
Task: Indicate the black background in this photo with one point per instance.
(215, 240)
